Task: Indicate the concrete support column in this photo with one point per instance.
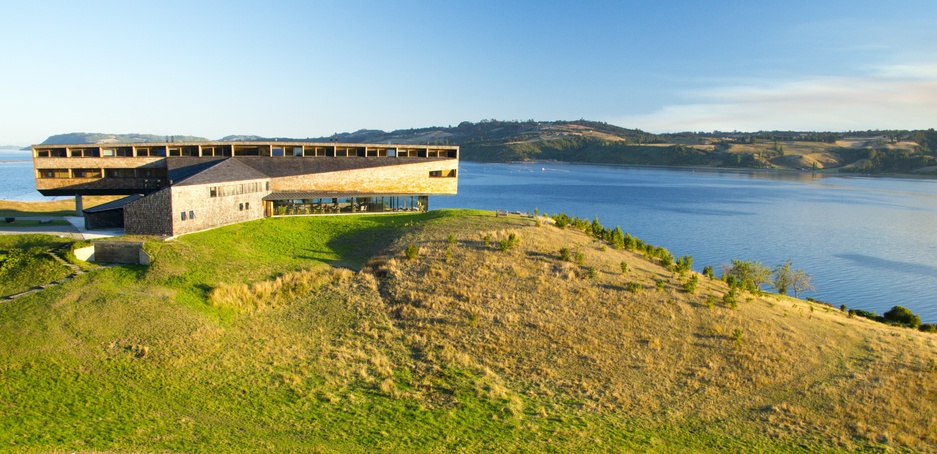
(78, 206)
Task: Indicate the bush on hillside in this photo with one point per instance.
(902, 316)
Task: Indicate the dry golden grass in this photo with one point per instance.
(64, 207)
(790, 148)
(775, 365)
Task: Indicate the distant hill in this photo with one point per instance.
(864, 152)
(83, 137)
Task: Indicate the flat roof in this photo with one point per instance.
(271, 143)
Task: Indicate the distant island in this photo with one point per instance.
(862, 152)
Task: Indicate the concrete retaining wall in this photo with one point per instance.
(120, 252)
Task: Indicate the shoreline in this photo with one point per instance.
(833, 172)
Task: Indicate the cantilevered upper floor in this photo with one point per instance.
(131, 168)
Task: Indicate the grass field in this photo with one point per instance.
(265, 336)
(25, 262)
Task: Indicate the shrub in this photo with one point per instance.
(660, 285)
(624, 268)
(708, 272)
(684, 263)
(412, 252)
(449, 253)
(565, 254)
(451, 238)
(866, 314)
(710, 301)
(487, 240)
(509, 243)
(665, 258)
(928, 328)
(729, 299)
(634, 287)
(842, 307)
(731, 281)
(690, 285)
(902, 316)
(591, 272)
(580, 257)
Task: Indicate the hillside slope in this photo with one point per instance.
(243, 339)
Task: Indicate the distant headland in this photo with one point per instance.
(910, 152)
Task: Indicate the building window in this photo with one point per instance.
(191, 215)
(240, 207)
(451, 173)
(247, 205)
(213, 191)
(183, 216)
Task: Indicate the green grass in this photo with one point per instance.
(136, 359)
(25, 262)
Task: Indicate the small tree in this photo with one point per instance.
(684, 263)
(580, 257)
(591, 272)
(783, 275)
(509, 243)
(749, 274)
(801, 282)
(624, 268)
(708, 272)
(902, 316)
(617, 238)
(690, 285)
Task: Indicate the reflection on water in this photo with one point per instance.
(868, 242)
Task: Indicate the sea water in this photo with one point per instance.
(868, 243)
(16, 177)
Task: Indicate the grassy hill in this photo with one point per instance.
(319, 334)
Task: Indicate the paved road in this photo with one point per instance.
(76, 229)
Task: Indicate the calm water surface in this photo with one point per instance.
(16, 177)
(869, 243)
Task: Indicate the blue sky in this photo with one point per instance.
(307, 69)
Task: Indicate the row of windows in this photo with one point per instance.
(106, 173)
(190, 216)
(208, 151)
(235, 189)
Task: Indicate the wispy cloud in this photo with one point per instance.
(896, 96)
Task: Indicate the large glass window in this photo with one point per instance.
(348, 205)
